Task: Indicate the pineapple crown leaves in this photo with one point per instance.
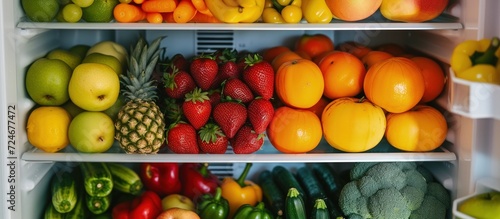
(252, 59)
(196, 95)
(210, 132)
(137, 83)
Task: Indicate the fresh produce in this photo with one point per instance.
(125, 179)
(357, 49)
(240, 191)
(111, 48)
(248, 211)
(299, 83)
(434, 78)
(196, 108)
(177, 201)
(259, 76)
(91, 132)
(68, 57)
(197, 180)
(285, 180)
(213, 206)
(392, 190)
(413, 11)
(64, 191)
(204, 69)
(80, 210)
(311, 186)
(353, 125)
(109, 60)
(47, 128)
(353, 10)
(272, 193)
(140, 126)
(477, 60)
(230, 116)
(99, 11)
(96, 204)
(284, 57)
(430, 123)
(94, 86)
(283, 131)
(177, 213)
(161, 178)
(375, 56)
(40, 10)
(182, 138)
(145, 206)
(236, 11)
(247, 141)
(282, 11)
(51, 213)
(97, 178)
(47, 81)
(482, 205)
(314, 44)
(238, 90)
(316, 11)
(331, 186)
(294, 205)
(395, 84)
(260, 114)
(178, 83)
(319, 210)
(212, 140)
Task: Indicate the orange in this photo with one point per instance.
(343, 74)
(353, 10)
(319, 106)
(372, 57)
(357, 49)
(392, 48)
(270, 53)
(284, 57)
(314, 45)
(47, 128)
(294, 130)
(434, 78)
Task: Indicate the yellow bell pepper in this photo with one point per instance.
(282, 11)
(241, 191)
(477, 60)
(316, 11)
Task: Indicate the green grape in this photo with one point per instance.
(72, 13)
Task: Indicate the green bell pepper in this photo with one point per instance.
(247, 211)
(213, 206)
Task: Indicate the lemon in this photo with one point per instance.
(40, 10)
(94, 86)
(47, 128)
(99, 11)
(108, 60)
(72, 13)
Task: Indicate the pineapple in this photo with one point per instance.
(140, 126)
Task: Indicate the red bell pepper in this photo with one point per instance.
(145, 206)
(197, 180)
(162, 178)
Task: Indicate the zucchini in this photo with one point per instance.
(52, 213)
(328, 180)
(319, 210)
(310, 184)
(64, 191)
(98, 205)
(125, 179)
(285, 180)
(275, 198)
(80, 209)
(294, 205)
(97, 179)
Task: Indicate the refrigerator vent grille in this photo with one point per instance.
(222, 169)
(208, 41)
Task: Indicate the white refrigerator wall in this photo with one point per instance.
(24, 184)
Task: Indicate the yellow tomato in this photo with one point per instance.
(271, 15)
(292, 14)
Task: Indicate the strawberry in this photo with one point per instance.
(227, 66)
(182, 139)
(230, 116)
(212, 140)
(178, 83)
(179, 61)
(237, 90)
(214, 97)
(197, 108)
(259, 76)
(247, 141)
(260, 114)
(204, 70)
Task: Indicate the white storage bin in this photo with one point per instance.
(473, 99)
(482, 186)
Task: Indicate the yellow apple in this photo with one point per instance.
(110, 48)
(91, 132)
(177, 201)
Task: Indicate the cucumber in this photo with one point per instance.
(64, 191)
(52, 213)
(98, 205)
(319, 210)
(97, 179)
(80, 210)
(125, 179)
(327, 178)
(294, 205)
(310, 184)
(285, 180)
(275, 198)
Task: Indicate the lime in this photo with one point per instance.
(72, 13)
(100, 11)
(83, 3)
(40, 10)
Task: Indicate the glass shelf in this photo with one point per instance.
(383, 152)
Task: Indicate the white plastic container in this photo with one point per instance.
(482, 186)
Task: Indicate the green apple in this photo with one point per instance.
(110, 48)
(91, 132)
(115, 108)
(47, 81)
(177, 201)
(108, 60)
(484, 205)
(66, 56)
(80, 50)
(72, 109)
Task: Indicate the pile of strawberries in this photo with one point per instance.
(218, 100)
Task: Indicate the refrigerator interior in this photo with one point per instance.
(471, 152)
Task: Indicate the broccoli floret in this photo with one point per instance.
(431, 208)
(388, 175)
(415, 179)
(352, 202)
(360, 169)
(367, 186)
(413, 197)
(425, 173)
(388, 203)
(440, 193)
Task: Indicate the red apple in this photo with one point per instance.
(412, 10)
(178, 213)
(177, 201)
